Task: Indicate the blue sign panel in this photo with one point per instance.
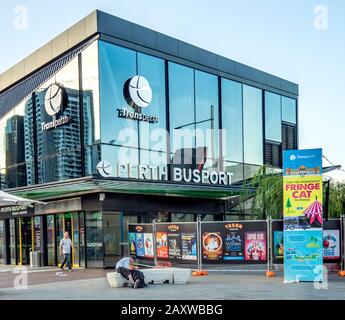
(302, 162)
(303, 255)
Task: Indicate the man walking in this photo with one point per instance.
(66, 247)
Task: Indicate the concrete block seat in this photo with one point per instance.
(181, 276)
(158, 275)
(115, 280)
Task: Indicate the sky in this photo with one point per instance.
(299, 40)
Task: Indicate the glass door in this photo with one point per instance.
(60, 229)
(75, 239)
(25, 240)
(112, 238)
(2, 242)
(51, 248)
(12, 242)
(82, 239)
(69, 222)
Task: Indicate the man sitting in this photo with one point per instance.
(126, 268)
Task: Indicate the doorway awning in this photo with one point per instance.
(77, 187)
(7, 199)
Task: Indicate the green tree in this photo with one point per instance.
(268, 198)
(336, 199)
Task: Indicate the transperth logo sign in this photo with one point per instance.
(138, 95)
(54, 100)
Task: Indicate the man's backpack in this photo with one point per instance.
(139, 275)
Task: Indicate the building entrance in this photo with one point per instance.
(69, 222)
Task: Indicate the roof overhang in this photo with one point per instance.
(77, 187)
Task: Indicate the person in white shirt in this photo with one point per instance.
(125, 267)
(66, 247)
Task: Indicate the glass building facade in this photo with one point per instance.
(217, 122)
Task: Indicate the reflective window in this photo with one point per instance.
(273, 126)
(58, 148)
(16, 147)
(289, 110)
(207, 117)
(181, 107)
(153, 70)
(90, 82)
(236, 169)
(116, 66)
(194, 117)
(252, 125)
(139, 140)
(232, 120)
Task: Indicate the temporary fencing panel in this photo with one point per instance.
(177, 244)
(255, 245)
(332, 244)
(235, 245)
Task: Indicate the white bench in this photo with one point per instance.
(154, 275)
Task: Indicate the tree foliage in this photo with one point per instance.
(268, 198)
(336, 199)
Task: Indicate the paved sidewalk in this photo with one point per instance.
(91, 284)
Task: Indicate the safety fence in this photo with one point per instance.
(238, 246)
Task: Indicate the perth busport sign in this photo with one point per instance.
(160, 173)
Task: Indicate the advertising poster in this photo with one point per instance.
(175, 244)
(189, 246)
(162, 245)
(303, 216)
(233, 242)
(139, 242)
(131, 238)
(303, 198)
(212, 246)
(303, 255)
(225, 242)
(331, 244)
(148, 244)
(255, 246)
(278, 246)
(181, 244)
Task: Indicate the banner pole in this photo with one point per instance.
(154, 236)
(269, 272)
(342, 237)
(268, 243)
(199, 242)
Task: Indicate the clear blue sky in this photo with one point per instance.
(275, 36)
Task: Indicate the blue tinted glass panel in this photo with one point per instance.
(207, 117)
(273, 127)
(232, 120)
(252, 125)
(181, 104)
(289, 110)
